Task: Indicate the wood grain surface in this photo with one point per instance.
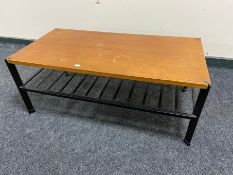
(160, 59)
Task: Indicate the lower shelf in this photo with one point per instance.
(162, 99)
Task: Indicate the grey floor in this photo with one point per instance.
(72, 137)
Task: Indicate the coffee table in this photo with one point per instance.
(163, 60)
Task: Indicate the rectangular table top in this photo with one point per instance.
(159, 59)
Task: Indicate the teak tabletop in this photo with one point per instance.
(160, 59)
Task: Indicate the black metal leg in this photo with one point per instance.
(19, 83)
(194, 117)
(197, 112)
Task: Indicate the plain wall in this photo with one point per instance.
(211, 20)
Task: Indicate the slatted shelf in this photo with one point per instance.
(126, 92)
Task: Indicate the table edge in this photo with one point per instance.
(75, 70)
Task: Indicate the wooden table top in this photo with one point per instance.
(160, 59)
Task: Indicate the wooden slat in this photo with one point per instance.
(159, 59)
(62, 83)
(73, 84)
(139, 95)
(185, 101)
(105, 86)
(168, 98)
(110, 91)
(153, 95)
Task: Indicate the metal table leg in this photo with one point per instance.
(18, 81)
(199, 104)
(197, 112)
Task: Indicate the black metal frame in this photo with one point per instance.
(194, 117)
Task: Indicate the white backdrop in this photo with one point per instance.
(212, 20)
